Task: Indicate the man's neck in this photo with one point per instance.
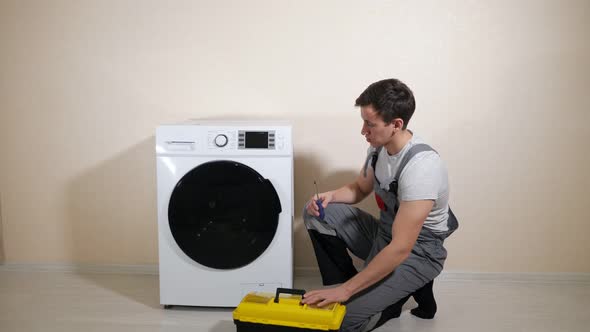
(398, 142)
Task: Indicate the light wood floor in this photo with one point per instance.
(86, 302)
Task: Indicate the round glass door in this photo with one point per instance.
(223, 214)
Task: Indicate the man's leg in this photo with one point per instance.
(344, 227)
(426, 304)
(383, 301)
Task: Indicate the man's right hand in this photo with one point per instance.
(312, 207)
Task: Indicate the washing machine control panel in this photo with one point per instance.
(249, 139)
(246, 139)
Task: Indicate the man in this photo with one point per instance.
(403, 250)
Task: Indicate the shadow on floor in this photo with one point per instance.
(223, 326)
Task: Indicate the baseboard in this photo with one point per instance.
(553, 277)
(302, 272)
(81, 268)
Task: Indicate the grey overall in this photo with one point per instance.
(347, 227)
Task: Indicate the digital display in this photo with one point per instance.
(257, 140)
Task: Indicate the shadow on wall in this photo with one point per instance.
(112, 214)
(112, 209)
(307, 169)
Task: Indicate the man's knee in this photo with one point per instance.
(353, 325)
(308, 219)
(312, 222)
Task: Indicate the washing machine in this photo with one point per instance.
(225, 211)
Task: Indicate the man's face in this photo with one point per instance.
(375, 130)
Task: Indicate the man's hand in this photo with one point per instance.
(324, 297)
(312, 207)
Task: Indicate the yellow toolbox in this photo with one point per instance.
(264, 312)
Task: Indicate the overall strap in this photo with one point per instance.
(414, 150)
(372, 158)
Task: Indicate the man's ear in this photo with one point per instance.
(398, 124)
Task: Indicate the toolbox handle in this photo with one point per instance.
(288, 291)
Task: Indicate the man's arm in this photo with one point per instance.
(356, 191)
(406, 228)
(350, 194)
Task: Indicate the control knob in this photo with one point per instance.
(221, 140)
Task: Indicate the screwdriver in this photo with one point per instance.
(319, 201)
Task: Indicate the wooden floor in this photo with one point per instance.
(86, 302)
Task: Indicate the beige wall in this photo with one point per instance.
(501, 88)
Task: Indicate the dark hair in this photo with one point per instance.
(390, 98)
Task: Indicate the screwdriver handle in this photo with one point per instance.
(321, 208)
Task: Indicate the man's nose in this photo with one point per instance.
(364, 129)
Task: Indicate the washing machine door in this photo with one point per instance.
(223, 214)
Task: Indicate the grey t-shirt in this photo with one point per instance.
(424, 178)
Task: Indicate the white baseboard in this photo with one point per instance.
(446, 276)
(81, 268)
(551, 277)
(554, 277)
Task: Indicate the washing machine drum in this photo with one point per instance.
(223, 214)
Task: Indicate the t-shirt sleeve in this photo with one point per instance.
(422, 178)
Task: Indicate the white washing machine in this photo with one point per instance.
(225, 211)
